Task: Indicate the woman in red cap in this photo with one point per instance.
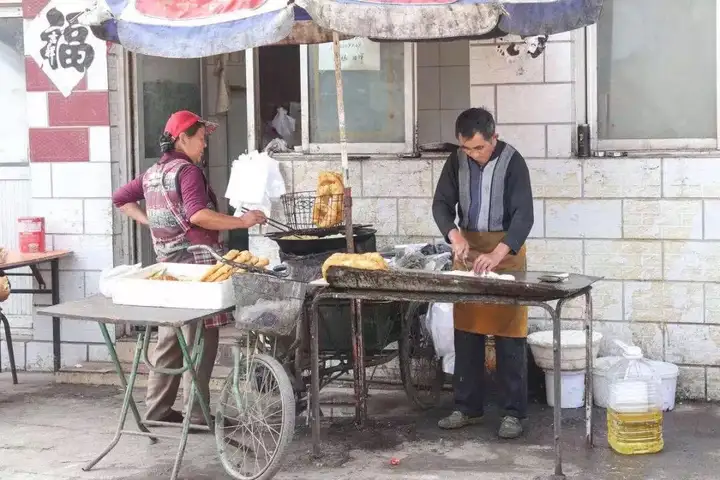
(181, 210)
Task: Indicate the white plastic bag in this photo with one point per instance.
(442, 330)
(284, 124)
(255, 180)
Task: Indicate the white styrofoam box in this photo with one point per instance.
(136, 289)
(572, 345)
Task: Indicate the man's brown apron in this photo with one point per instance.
(497, 320)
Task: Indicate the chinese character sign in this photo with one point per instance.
(63, 48)
(355, 54)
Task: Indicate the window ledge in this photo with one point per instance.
(309, 157)
(700, 153)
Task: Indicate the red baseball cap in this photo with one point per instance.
(184, 119)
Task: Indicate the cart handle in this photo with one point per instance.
(280, 271)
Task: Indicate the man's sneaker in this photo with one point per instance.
(457, 420)
(510, 428)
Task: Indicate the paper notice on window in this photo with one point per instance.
(355, 54)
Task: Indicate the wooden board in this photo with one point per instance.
(99, 308)
(526, 285)
(16, 259)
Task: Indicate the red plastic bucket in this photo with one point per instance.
(31, 232)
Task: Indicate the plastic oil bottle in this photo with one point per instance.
(634, 414)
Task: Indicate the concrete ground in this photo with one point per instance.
(48, 431)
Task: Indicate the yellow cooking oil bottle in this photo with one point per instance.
(635, 405)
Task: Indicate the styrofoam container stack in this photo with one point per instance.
(135, 289)
(668, 373)
(573, 360)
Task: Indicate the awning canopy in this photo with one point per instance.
(201, 28)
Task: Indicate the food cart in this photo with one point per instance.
(271, 373)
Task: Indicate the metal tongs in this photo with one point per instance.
(279, 271)
(273, 223)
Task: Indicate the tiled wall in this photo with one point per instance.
(70, 185)
(443, 73)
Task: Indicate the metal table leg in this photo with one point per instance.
(121, 375)
(11, 352)
(358, 344)
(588, 369)
(55, 294)
(315, 375)
(189, 364)
(128, 401)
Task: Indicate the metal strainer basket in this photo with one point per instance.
(267, 304)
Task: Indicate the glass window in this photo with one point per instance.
(168, 85)
(13, 134)
(374, 91)
(656, 71)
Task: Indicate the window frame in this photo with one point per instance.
(13, 9)
(587, 61)
(10, 9)
(309, 148)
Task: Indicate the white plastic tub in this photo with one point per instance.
(572, 389)
(572, 344)
(668, 372)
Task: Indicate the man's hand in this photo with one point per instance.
(487, 262)
(460, 246)
(253, 217)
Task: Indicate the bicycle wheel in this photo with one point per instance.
(255, 422)
(420, 369)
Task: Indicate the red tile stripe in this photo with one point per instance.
(37, 81)
(31, 8)
(79, 109)
(59, 145)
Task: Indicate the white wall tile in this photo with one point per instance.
(90, 252)
(99, 144)
(559, 141)
(61, 215)
(454, 53)
(429, 126)
(583, 218)
(691, 177)
(37, 109)
(81, 180)
(544, 103)
(488, 66)
(454, 88)
(98, 216)
(41, 180)
(558, 62)
(529, 140)
(483, 96)
(623, 178)
(397, 178)
(428, 86)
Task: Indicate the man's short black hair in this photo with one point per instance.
(473, 121)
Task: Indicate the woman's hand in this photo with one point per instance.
(253, 217)
(134, 211)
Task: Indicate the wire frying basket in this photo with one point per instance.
(267, 304)
(305, 210)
